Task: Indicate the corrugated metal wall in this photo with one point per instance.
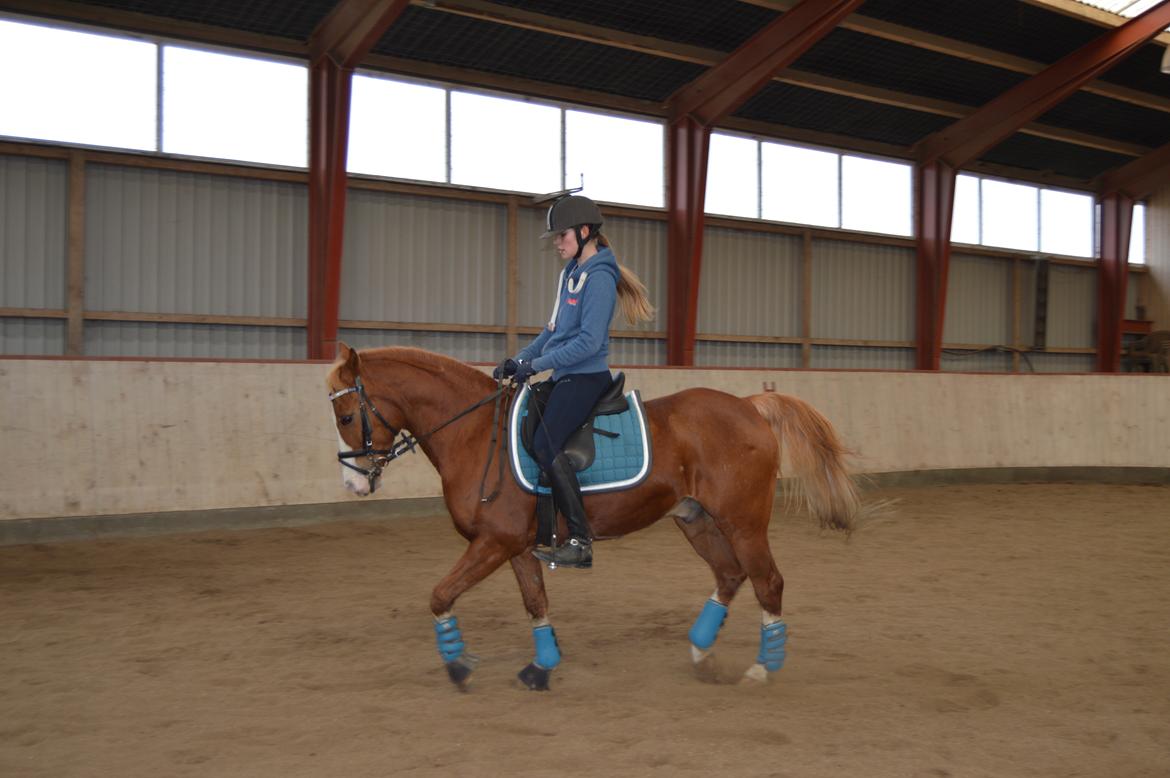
(1072, 307)
(212, 341)
(1158, 257)
(733, 354)
(979, 301)
(862, 291)
(977, 362)
(1059, 363)
(34, 208)
(469, 347)
(171, 242)
(168, 242)
(751, 284)
(424, 259)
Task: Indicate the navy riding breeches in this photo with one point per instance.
(573, 396)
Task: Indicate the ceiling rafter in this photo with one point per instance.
(1088, 13)
(878, 28)
(536, 22)
(1139, 178)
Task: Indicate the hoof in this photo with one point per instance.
(757, 673)
(459, 671)
(534, 677)
(704, 665)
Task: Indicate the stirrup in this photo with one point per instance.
(576, 553)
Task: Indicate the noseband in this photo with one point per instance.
(378, 457)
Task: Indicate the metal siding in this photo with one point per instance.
(539, 268)
(733, 354)
(860, 358)
(39, 337)
(1158, 257)
(220, 341)
(464, 346)
(1072, 307)
(171, 242)
(423, 259)
(979, 301)
(1060, 363)
(862, 291)
(977, 362)
(1027, 304)
(751, 284)
(640, 245)
(34, 220)
(637, 351)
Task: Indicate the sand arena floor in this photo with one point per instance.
(975, 631)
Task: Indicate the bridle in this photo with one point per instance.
(380, 457)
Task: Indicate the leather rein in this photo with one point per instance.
(403, 441)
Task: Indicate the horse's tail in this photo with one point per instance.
(817, 458)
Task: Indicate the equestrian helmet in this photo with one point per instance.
(572, 211)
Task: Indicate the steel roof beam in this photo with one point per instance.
(340, 42)
(1140, 177)
(692, 110)
(940, 155)
(969, 137)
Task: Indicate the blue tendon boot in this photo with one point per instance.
(548, 655)
(703, 634)
(450, 642)
(773, 636)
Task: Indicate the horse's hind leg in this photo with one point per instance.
(712, 545)
(751, 549)
(530, 578)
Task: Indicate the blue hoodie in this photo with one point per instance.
(576, 339)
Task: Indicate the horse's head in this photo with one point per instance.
(365, 433)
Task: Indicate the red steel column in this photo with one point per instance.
(687, 143)
(329, 91)
(934, 201)
(1112, 273)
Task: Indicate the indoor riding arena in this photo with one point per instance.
(255, 238)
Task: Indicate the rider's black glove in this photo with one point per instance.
(523, 372)
(505, 369)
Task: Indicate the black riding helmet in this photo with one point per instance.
(574, 211)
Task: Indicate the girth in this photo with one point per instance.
(580, 447)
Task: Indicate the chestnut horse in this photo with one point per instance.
(716, 458)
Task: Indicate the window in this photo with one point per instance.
(1066, 223)
(77, 87)
(801, 185)
(398, 130)
(965, 217)
(1009, 215)
(621, 159)
(234, 107)
(875, 195)
(505, 144)
(1137, 236)
(733, 176)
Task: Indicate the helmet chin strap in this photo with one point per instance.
(581, 241)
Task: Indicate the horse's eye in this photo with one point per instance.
(346, 420)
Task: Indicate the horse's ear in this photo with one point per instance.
(348, 358)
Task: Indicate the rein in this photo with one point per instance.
(380, 457)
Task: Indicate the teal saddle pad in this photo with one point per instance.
(620, 463)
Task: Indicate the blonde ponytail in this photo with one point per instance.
(632, 298)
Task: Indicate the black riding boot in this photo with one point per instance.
(578, 551)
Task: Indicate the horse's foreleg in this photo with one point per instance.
(530, 578)
(481, 558)
(711, 544)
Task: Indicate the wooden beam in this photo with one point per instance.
(75, 283)
(951, 47)
(154, 25)
(970, 137)
(1140, 177)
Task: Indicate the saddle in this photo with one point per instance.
(580, 449)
